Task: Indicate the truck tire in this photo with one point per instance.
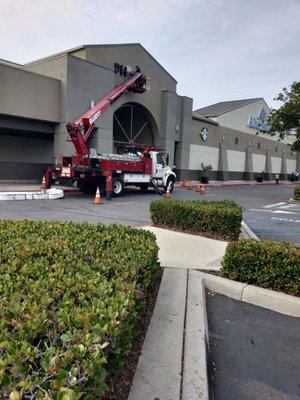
(172, 181)
(117, 187)
(144, 187)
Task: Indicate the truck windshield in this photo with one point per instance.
(162, 158)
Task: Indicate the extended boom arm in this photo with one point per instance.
(82, 128)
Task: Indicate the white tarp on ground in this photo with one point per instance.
(48, 194)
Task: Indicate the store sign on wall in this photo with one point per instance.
(204, 134)
(259, 123)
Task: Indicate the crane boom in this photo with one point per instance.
(82, 128)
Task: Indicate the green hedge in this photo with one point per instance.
(265, 263)
(69, 295)
(297, 193)
(220, 219)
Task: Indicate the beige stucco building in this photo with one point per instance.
(38, 99)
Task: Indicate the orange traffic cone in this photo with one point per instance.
(44, 185)
(97, 199)
(168, 195)
(200, 188)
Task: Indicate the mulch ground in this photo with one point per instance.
(120, 385)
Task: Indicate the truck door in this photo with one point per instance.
(159, 166)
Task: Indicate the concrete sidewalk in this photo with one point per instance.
(172, 365)
(182, 250)
(239, 183)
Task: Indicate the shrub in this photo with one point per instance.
(265, 263)
(220, 219)
(69, 295)
(297, 193)
(206, 168)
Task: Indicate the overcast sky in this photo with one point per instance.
(216, 49)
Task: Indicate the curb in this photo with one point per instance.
(196, 383)
(195, 380)
(48, 194)
(175, 358)
(37, 190)
(159, 369)
(292, 201)
(219, 185)
(266, 298)
(248, 231)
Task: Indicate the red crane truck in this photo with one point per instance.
(139, 165)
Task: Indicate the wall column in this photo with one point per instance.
(223, 163)
(297, 160)
(248, 174)
(283, 173)
(268, 167)
(184, 138)
(168, 122)
(61, 145)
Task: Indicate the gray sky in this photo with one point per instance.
(216, 49)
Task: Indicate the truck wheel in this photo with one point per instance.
(172, 181)
(144, 187)
(117, 187)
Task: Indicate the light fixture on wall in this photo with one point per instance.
(269, 148)
(249, 144)
(176, 128)
(223, 138)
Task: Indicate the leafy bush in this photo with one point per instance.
(206, 168)
(69, 295)
(220, 219)
(265, 263)
(297, 193)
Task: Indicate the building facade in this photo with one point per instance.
(38, 99)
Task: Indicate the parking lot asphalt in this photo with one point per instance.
(266, 208)
(255, 352)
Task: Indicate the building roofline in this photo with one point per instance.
(55, 55)
(27, 71)
(242, 105)
(10, 63)
(68, 51)
(250, 101)
(199, 117)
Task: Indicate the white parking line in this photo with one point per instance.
(285, 219)
(272, 211)
(275, 205)
(294, 207)
(125, 203)
(259, 209)
(283, 212)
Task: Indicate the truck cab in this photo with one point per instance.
(162, 173)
